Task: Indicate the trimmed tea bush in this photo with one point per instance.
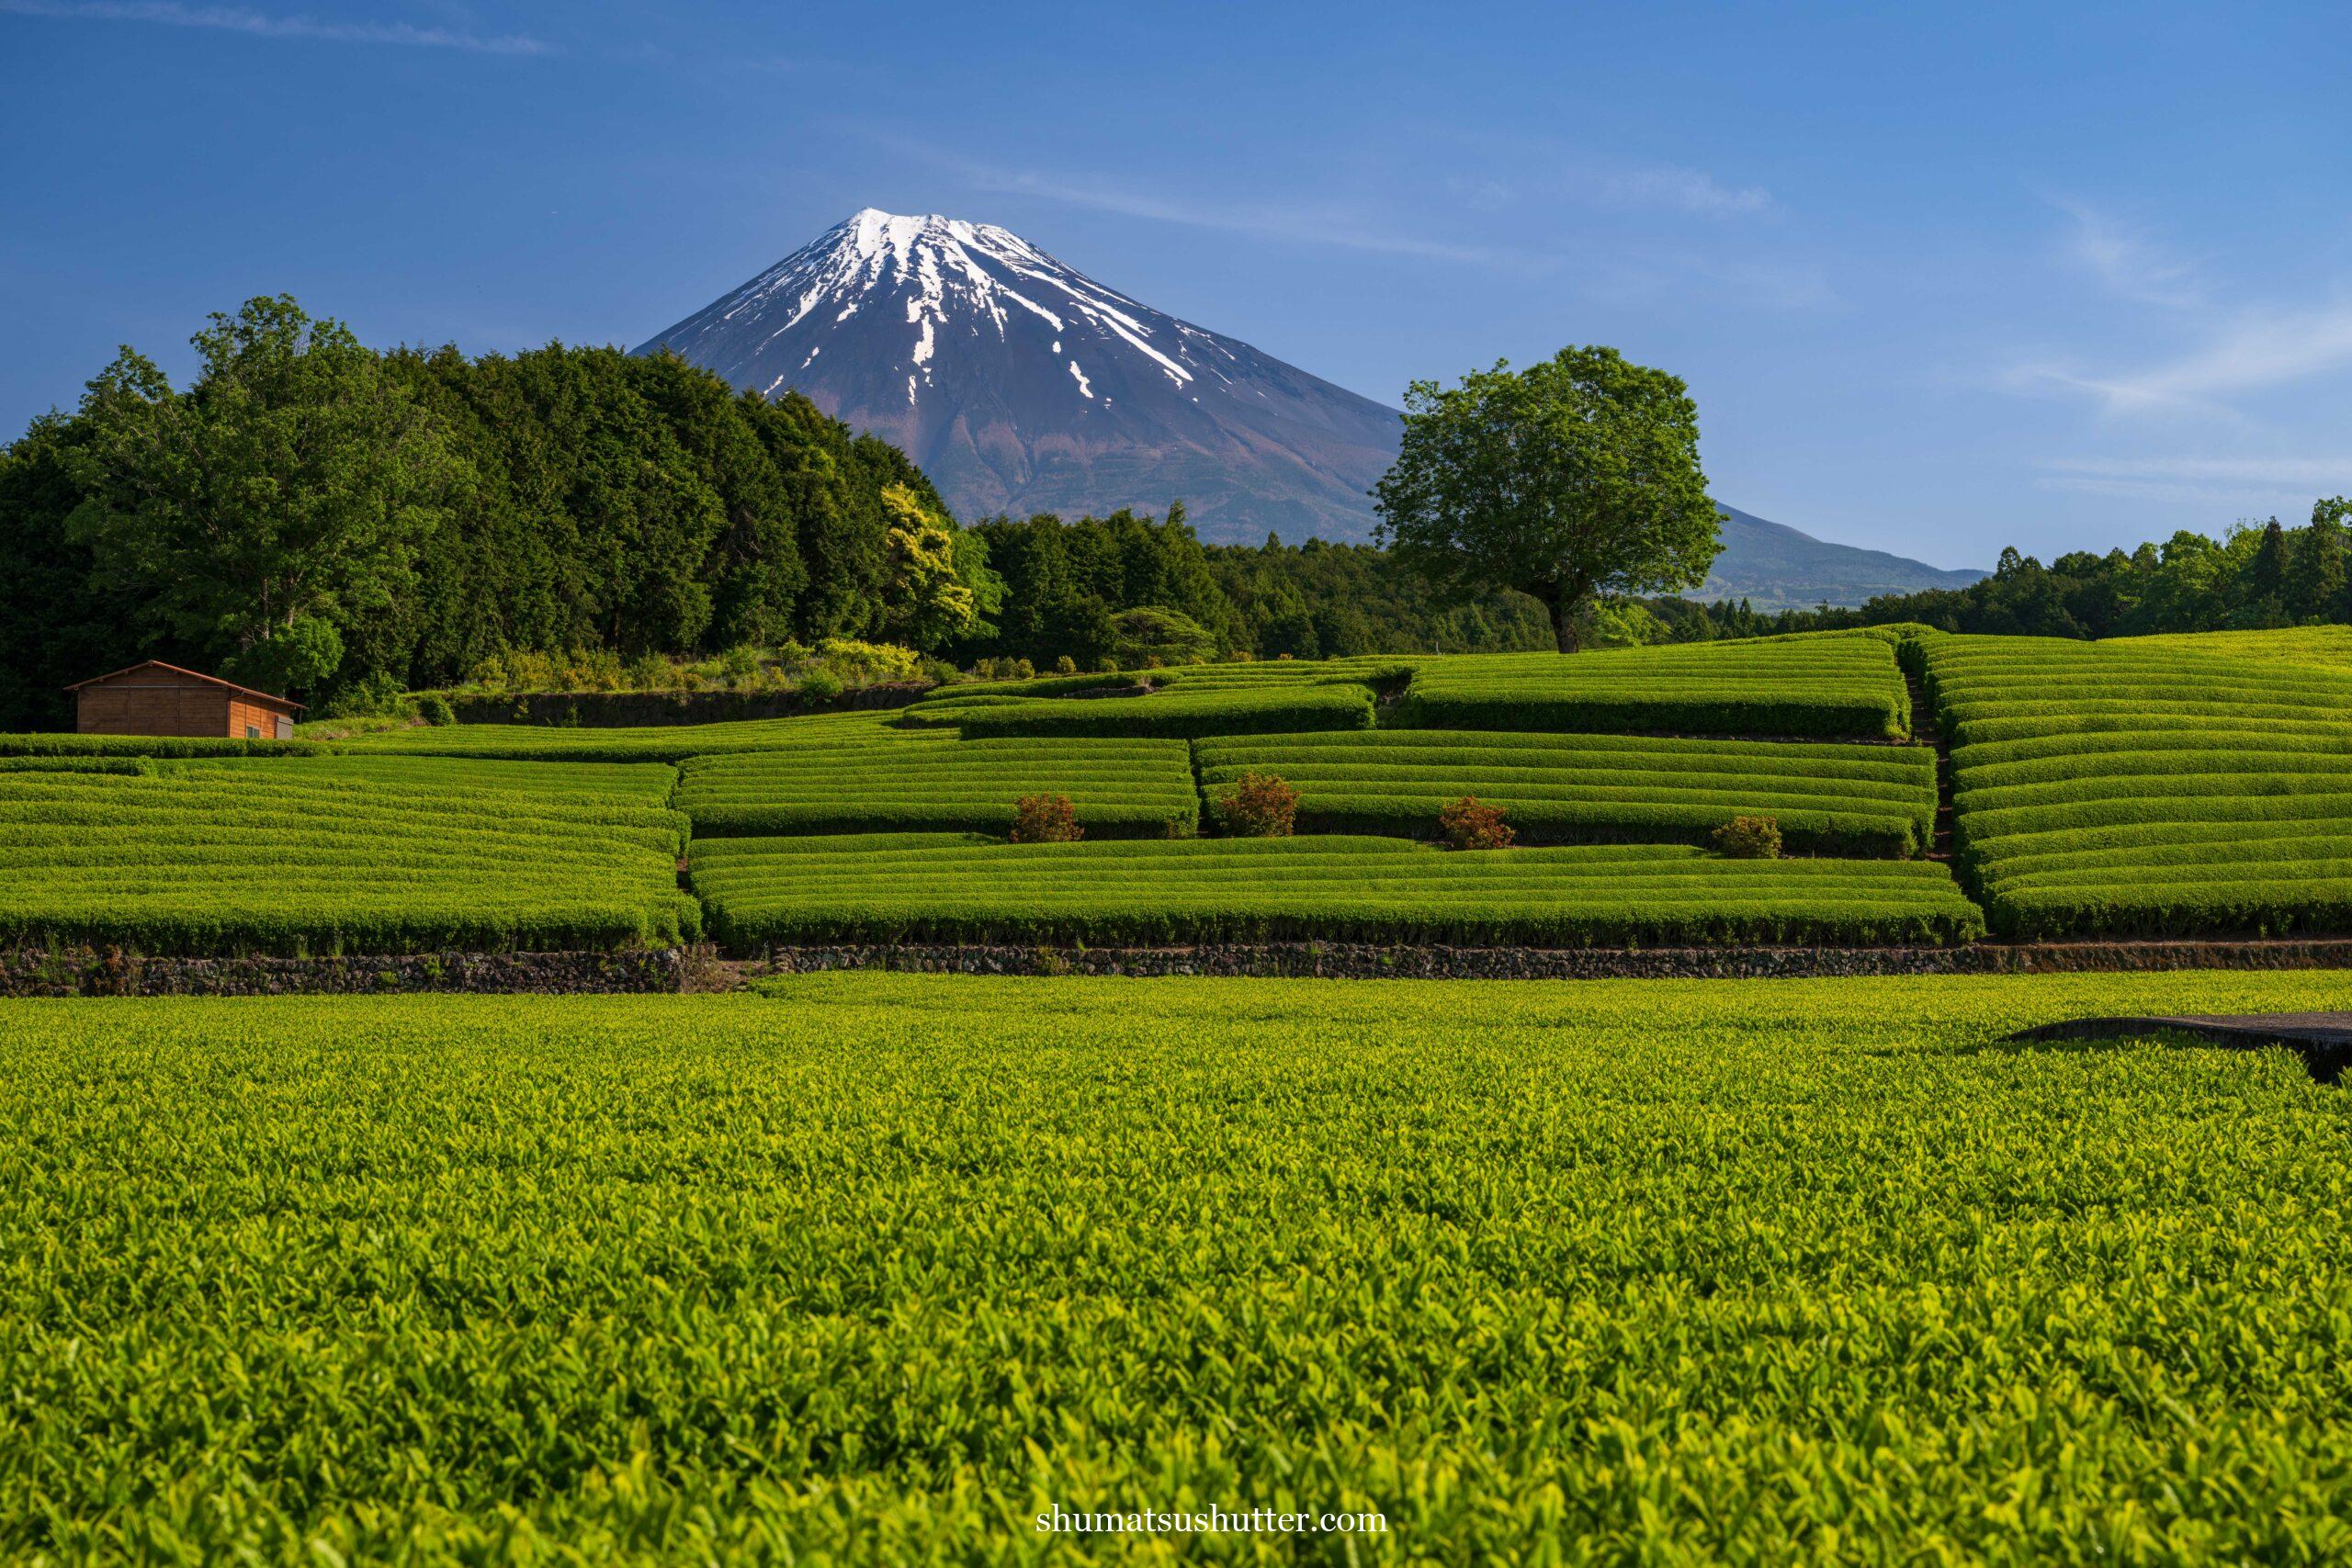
(951, 887)
(1830, 686)
(875, 1267)
(859, 772)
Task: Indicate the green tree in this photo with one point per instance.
(1573, 478)
(2317, 576)
(283, 493)
(1147, 635)
(926, 599)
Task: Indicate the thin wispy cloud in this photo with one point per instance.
(1315, 223)
(2221, 480)
(2125, 260)
(1692, 191)
(260, 24)
(2251, 353)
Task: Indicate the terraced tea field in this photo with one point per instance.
(864, 774)
(1183, 712)
(876, 1269)
(965, 887)
(2162, 788)
(1827, 798)
(342, 854)
(1829, 685)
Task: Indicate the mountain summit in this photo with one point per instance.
(1022, 384)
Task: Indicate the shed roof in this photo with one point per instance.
(270, 697)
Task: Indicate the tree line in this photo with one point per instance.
(309, 516)
(2256, 577)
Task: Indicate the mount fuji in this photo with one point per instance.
(1021, 385)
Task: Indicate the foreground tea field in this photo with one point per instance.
(880, 1266)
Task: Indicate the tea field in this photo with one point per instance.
(335, 854)
(1828, 800)
(963, 887)
(876, 1269)
(2160, 787)
(2173, 789)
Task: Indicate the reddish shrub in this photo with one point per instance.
(1263, 805)
(1470, 825)
(1046, 820)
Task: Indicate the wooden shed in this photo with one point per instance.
(156, 698)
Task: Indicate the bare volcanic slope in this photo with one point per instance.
(1022, 384)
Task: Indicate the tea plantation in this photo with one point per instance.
(950, 887)
(320, 854)
(2171, 789)
(877, 1269)
(1828, 800)
(2164, 787)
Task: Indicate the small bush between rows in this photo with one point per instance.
(1259, 806)
(1468, 824)
(1749, 838)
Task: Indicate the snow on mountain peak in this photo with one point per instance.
(1007, 374)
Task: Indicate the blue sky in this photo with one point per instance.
(1942, 278)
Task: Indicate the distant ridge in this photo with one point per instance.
(1774, 566)
(1021, 385)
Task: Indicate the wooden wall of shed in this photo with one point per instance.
(155, 702)
(263, 720)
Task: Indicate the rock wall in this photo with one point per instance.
(84, 971)
(96, 973)
(1369, 961)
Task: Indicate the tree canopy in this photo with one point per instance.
(308, 514)
(1574, 478)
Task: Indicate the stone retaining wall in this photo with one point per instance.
(1370, 961)
(86, 972)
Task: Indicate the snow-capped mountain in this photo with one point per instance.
(1021, 385)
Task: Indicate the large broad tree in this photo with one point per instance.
(1569, 479)
(280, 498)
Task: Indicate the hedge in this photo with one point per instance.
(1835, 685)
(1178, 713)
(763, 892)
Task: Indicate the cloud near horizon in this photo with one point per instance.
(2255, 350)
(258, 24)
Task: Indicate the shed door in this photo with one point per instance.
(285, 728)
